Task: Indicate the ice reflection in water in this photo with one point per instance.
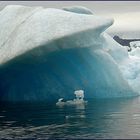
(112, 118)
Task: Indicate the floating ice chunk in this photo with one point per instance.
(79, 94)
(78, 101)
(60, 102)
(78, 10)
(79, 98)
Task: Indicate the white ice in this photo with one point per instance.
(24, 28)
(78, 10)
(78, 101)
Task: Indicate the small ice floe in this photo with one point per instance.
(78, 101)
(60, 102)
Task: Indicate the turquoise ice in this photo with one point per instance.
(46, 54)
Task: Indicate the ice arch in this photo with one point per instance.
(48, 53)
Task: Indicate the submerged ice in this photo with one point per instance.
(46, 54)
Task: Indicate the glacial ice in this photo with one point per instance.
(45, 25)
(78, 10)
(135, 44)
(135, 52)
(46, 54)
(130, 69)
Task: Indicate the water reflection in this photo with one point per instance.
(114, 118)
(79, 112)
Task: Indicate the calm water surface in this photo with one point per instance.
(111, 118)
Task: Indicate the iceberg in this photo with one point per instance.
(48, 53)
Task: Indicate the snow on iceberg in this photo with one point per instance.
(135, 52)
(46, 54)
(135, 44)
(78, 10)
(30, 27)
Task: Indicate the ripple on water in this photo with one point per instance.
(99, 119)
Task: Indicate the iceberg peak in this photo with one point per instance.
(78, 10)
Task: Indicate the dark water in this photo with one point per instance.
(110, 118)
